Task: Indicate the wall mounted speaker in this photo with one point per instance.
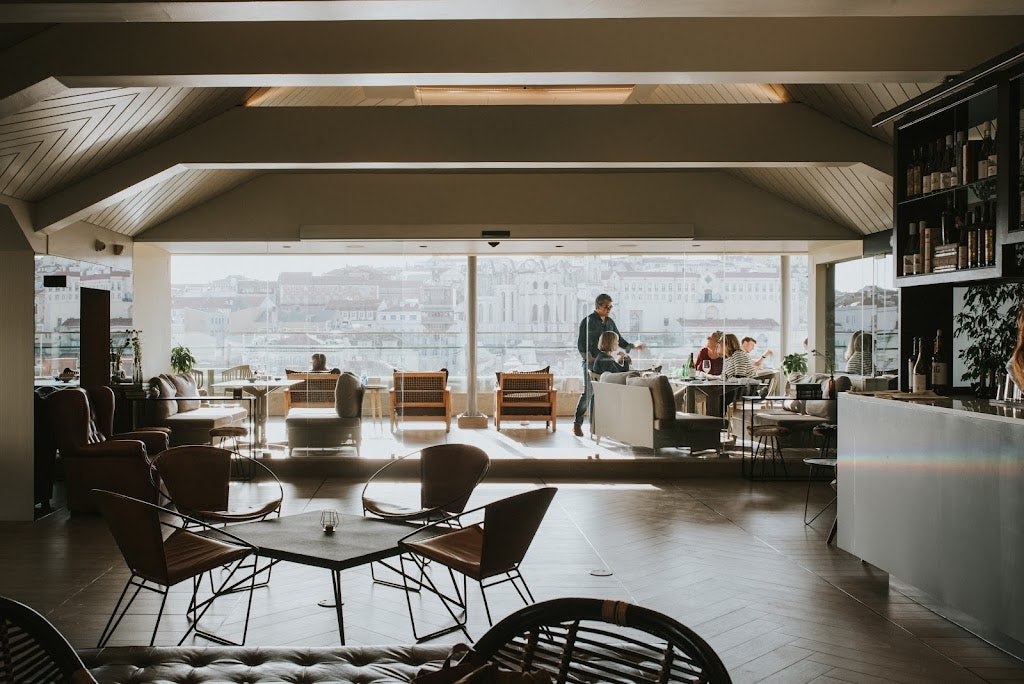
(55, 281)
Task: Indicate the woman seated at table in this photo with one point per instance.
(858, 354)
(610, 359)
(712, 352)
(737, 361)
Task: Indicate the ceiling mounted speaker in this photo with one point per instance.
(99, 245)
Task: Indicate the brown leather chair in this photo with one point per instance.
(448, 475)
(157, 562)
(489, 552)
(197, 480)
(93, 456)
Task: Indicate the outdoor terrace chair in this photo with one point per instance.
(421, 396)
(158, 562)
(489, 552)
(590, 640)
(526, 396)
(32, 650)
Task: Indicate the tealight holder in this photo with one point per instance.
(329, 521)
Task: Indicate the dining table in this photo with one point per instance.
(716, 392)
(259, 388)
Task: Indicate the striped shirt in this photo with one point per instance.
(738, 365)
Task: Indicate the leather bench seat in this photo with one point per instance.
(363, 664)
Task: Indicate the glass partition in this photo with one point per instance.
(864, 338)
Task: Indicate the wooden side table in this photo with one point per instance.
(375, 394)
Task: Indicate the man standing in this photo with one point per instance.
(591, 329)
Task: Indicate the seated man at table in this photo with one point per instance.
(749, 344)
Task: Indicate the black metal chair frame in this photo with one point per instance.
(33, 650)
(588, 639)
(460, 600)
(196, 609)
(769, 449)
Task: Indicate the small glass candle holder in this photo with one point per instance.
(329, 521)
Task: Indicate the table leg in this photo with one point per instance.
(336, 582)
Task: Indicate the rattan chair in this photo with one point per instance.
(589, 640)
(157, 562)
(421, 396)
(32, 650)
(489, 552)
(524, 397)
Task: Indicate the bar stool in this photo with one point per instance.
(241, 467)
(767, 446)
(813, 464)
(827, 433)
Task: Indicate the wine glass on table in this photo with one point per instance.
(705, 366)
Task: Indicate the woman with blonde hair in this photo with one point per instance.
(608, 361)
(737, 361)
(1017, 359)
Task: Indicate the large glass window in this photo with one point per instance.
(372, 314)
(866, 316)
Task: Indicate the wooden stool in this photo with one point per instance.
(219, 435)
(827, 432)
(767, 446)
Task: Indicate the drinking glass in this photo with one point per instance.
(705, 366)
(329, 520)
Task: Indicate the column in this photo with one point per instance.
(472, 418)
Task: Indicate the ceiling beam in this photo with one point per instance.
(511, 52)
(483, 139)
(386, 206)
(366, 10)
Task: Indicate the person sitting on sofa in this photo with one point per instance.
(737, 362)
(712, 352)
(610, 359)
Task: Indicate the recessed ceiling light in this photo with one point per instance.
(423, 246)
(628, 244)
(559, 246)
(286, 246)
(356, 246)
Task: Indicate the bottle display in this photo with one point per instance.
(940, 369)
(921, 369)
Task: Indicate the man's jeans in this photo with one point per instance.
(587, 398)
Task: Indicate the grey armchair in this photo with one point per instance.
(329, 428)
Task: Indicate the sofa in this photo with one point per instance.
(640, 410)
(399, 663)
(312, 425)
(174, 402)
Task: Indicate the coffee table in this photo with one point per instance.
(300, 539)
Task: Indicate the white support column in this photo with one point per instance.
(784, 306)
(151, 269)
(472, 418)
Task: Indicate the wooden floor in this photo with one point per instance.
(730, 558)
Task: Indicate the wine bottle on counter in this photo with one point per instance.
(911, 362)
(940, 369)
(690, 368)
(922, 369)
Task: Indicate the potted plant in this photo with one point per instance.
(829, 368)
(794, 365)
(182, 360)
(988, 323)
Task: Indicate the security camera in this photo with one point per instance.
(494, 244)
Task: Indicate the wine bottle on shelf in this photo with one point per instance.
(952, 172)
(940, 369)
(911, 362)
(963, 259)
(989, 234)
(961, 157)
(926, 169)
(984, 150)
(947, 225)
(925, 235)
(937, 169)
(993, 165)
(911, 160)
(911, 251)
(921, 369)
(971, 229)
(918, 169)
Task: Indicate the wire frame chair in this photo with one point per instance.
(32, 650)
(158, 562)
(588, 639)
(489, 553)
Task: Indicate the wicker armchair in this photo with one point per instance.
(421, 396)
(526, 396)
(315, 391)
(588, 640)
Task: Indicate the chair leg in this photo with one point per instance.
(447, 601)
(108, 631)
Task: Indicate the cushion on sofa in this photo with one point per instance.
(661, 394)
(163, 408)
(348, 401)
(618, 378)
(185, 386)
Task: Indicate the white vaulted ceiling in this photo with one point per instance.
(144, 117)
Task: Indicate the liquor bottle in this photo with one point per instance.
(911, 362)
(937, 157)
(961, 157)
(952, 169)
(947, 227)
(911, 162)
(911, 251)
(984, 150)
(922, 369)
(688, 370)
(993, 165)
(989, 234)
(918, 170)
(925, 235)
(963, 259)
(926, 170)
(971, 229)
(940, 369)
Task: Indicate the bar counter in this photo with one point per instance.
(933, 493)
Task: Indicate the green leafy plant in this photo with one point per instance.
(825, 356)
(988, 321)
(794, 363)
(182, 360)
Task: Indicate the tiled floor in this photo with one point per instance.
(730, 558)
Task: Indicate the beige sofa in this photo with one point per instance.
(189, 419)
(641, 412)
